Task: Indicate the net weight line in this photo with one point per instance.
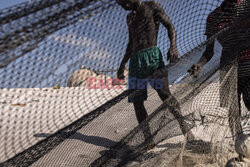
(32, 34)
(24, 9)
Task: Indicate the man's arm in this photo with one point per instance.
(125, 58)
(166, 22)
(208, 53)
(206, 57)
(124, 61)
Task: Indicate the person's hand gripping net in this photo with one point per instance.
(195, 70)
(172, 55)
(119, 77)
(120, 73)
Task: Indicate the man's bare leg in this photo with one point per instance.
(140, 111)
(175, 108)
(141, 115)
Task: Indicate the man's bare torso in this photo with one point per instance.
(143, 26)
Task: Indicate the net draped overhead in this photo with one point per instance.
(49, 117)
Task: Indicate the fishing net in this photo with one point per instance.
(59, 108)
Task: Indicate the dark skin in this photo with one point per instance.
(143, 23)
(195, 70)
(229, 51)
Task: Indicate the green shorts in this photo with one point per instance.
(141, 66)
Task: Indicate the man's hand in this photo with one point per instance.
(120, 73)
(119, 77)
(172, 55)
(195, 70)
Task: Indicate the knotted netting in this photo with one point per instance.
(51, 116)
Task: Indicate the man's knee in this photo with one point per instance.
(138, 104)
(140, 111)
(164, 93)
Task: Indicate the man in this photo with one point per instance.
(231, 19)
(146, 61)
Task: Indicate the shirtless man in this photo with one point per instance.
(236, 47)
(146, 61)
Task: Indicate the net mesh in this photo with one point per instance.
(53, 51)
